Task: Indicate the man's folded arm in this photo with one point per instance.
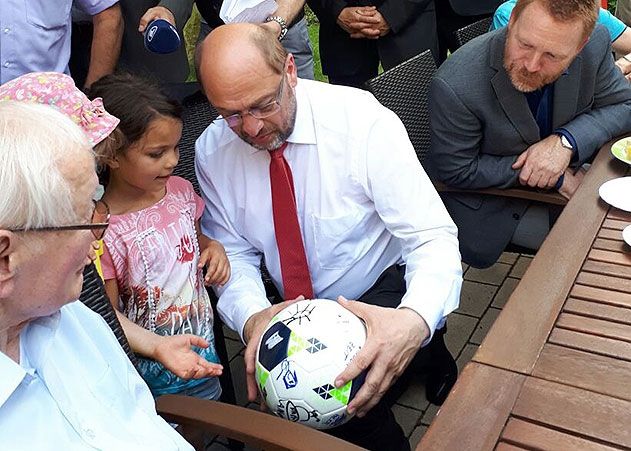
(456, 133)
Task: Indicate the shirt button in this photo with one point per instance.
(6, 64)
(89, 433)
(515, 216)
(7, 30)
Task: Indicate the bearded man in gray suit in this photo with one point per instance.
(526, 105)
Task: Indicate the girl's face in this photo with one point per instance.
(148, 163)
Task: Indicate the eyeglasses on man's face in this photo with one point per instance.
(98, 223)
(259, 112)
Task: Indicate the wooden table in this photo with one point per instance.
(554, 371)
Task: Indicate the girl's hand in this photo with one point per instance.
(217, 265)
(175, 353)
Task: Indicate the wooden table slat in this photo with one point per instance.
(610, 234)
(618, 258)
(475, 412)
(592, 343)
(534, 436)
(581, 369)
(503, 446)
(575, 410)
(603, 281)
(621, 215)
(601, 295)
(608, 269)
(539, 297)
(615, 224)
(600, 311)
(611, 245)
(594, 326)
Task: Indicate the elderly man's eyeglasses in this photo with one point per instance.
(260, 112)
(98, 224)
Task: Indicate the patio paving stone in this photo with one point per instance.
(475, 298)
(493, 275)
(521, 266)
(484, 325)
(504, 292)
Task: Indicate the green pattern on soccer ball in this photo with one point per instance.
(342, 394)
(296, 344)
(261, 375)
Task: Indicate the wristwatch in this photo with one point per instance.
(566, 143)
(283, 25)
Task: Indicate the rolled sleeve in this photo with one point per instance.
(93, 7)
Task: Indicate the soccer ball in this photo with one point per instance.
(302, 350)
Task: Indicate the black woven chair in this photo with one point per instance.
(198, 114)
(403, 89)
(93, 296)
(465, 34)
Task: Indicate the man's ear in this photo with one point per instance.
(7, 250)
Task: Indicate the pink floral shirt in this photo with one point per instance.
(153, 255)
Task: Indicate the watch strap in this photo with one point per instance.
(283, 25)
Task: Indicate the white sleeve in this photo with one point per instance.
(412, 211)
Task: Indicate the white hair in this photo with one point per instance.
(35, 142)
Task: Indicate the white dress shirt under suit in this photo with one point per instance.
(364, 203)
(75, 389)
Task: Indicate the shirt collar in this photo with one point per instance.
(12, 376)
(304, 128)
(35, 342)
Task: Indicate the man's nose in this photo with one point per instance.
(533, 62)
(251, 125)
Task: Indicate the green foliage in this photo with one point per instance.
(611, 5)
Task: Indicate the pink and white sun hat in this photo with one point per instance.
(59, 91)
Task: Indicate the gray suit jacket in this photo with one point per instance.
(480, 123)
(170, 68)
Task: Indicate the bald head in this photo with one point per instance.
(235, 53)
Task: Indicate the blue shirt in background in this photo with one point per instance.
(611, 22)
(35, 34)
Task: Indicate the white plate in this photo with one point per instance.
(626, 235)
(617, 193)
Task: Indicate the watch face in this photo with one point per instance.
(565, 143)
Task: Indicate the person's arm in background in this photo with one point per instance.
(351, 19)
(176, 12)
(288, 10)
(106, 43)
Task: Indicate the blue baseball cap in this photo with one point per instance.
(161, 37)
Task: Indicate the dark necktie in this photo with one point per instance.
(291, 249)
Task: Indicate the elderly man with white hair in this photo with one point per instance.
(66, 383)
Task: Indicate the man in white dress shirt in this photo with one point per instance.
(65, 382)
(372, 225)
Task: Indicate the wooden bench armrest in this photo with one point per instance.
(254, 428)
(520, 193)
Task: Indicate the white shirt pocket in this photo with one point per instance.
(339, 240)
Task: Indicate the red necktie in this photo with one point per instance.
(293, 261)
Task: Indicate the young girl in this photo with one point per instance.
(154, 250)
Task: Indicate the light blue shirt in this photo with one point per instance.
(35, 34)
(611, 22)
(75, 388)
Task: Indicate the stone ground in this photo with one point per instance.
(484, 294)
